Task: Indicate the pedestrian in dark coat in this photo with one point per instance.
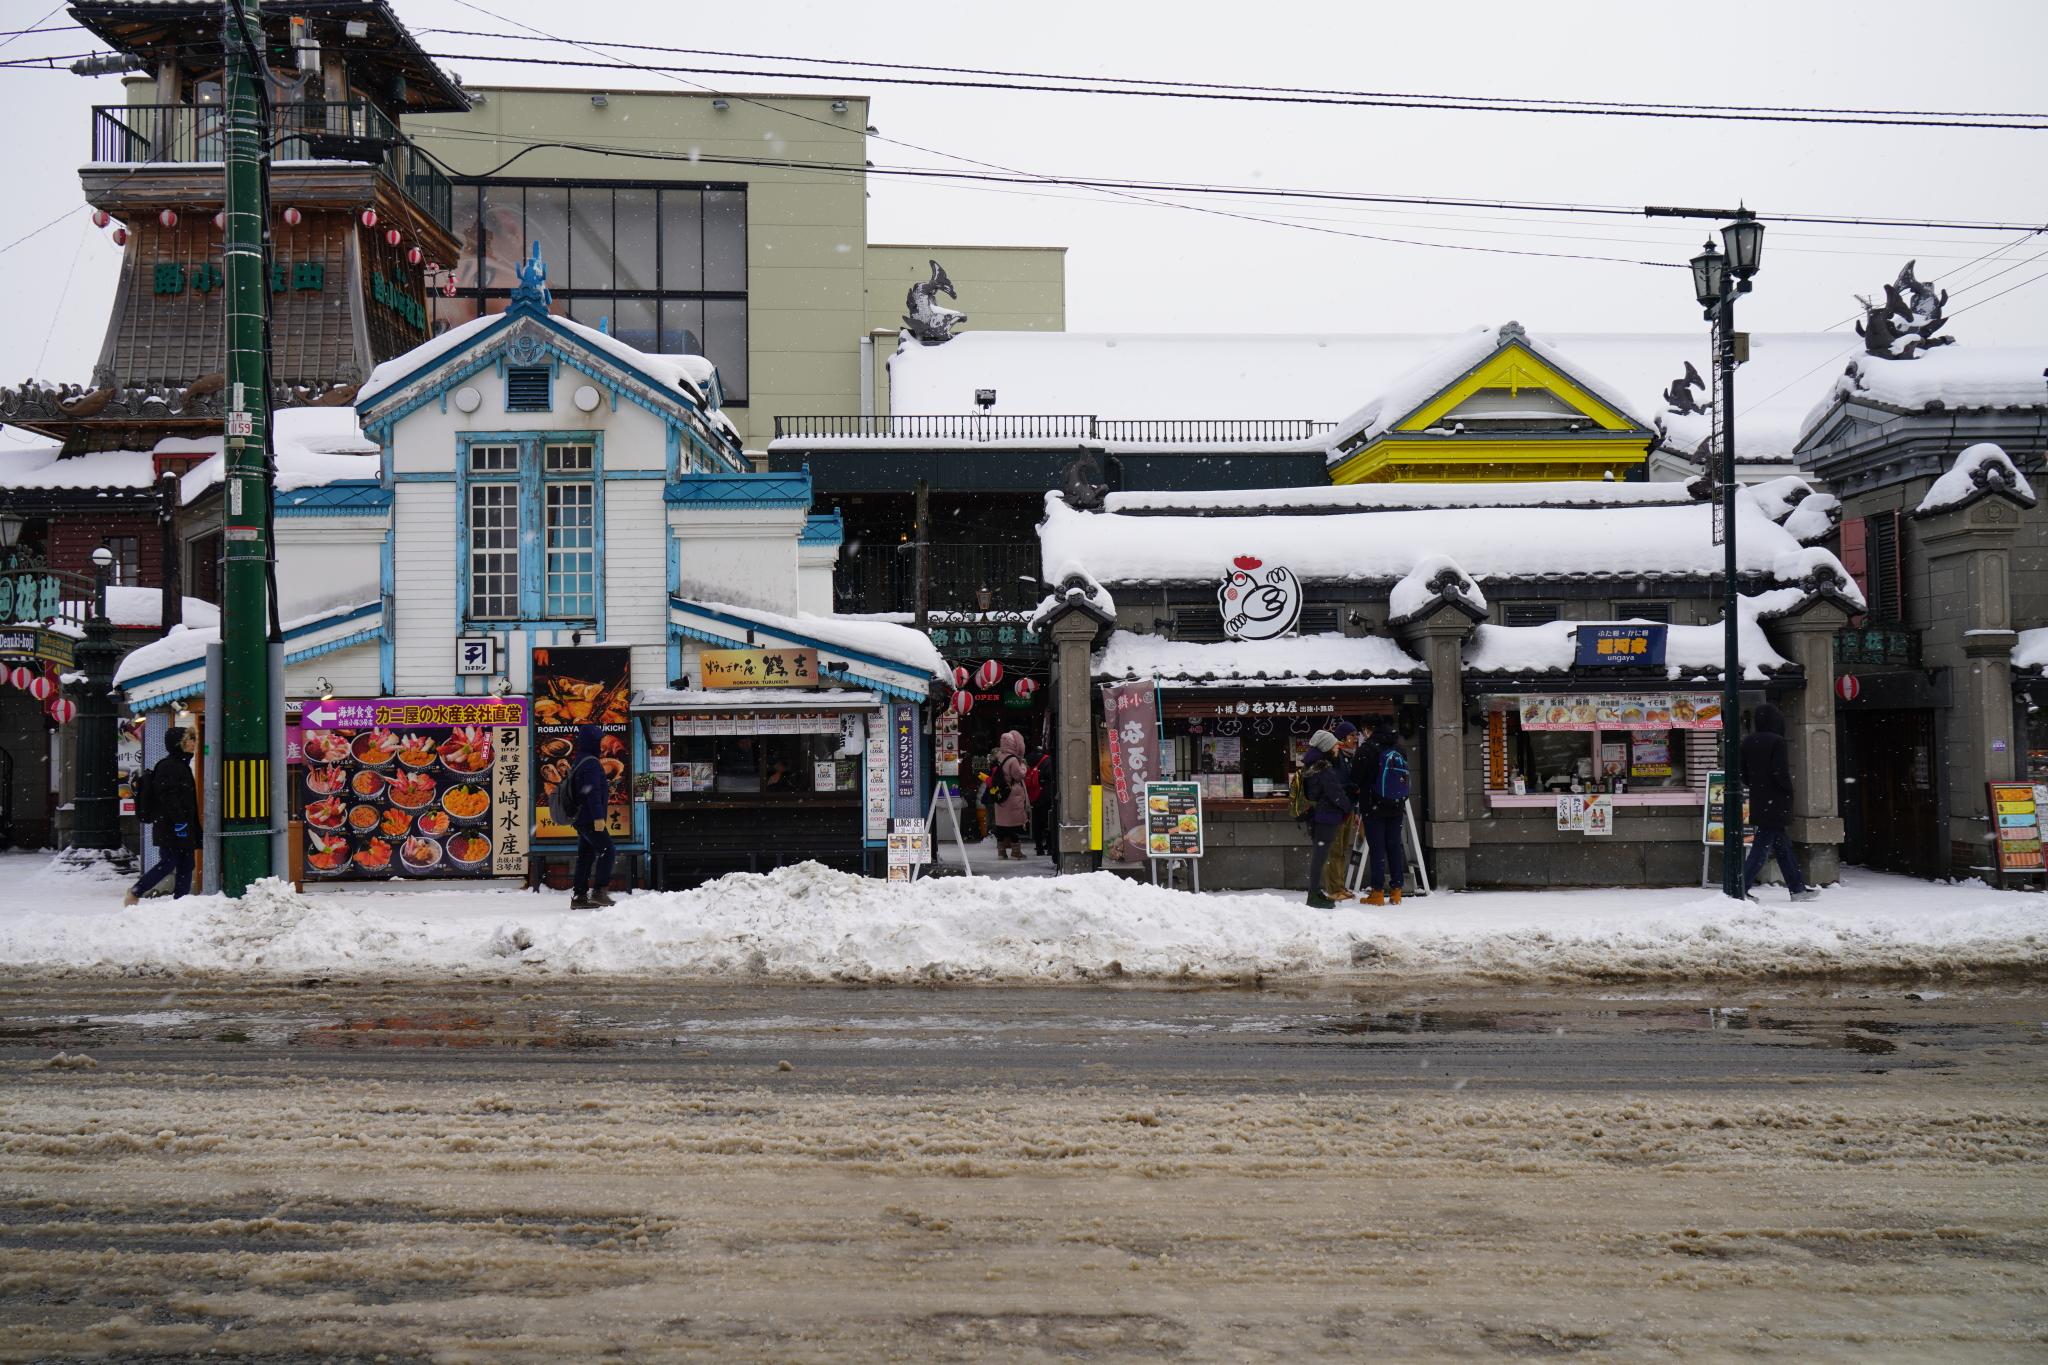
(167, 800)
(589, 805)
(1323, 784)
(1041, 809)
(1386, 856)
(1767, 777)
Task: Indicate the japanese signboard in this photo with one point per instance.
(415, 787)
(476, 657)
(1130, 714)
(1622, 711)
(2016, 813)
(910, 846)
(49, 646)
(903, 739)
(1613, 646)
(1173, 819)
(573, 688)
(1585, 814)
(946, 745)
(759, 667)
(1717, 796)
(876, 788)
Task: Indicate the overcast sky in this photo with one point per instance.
(1138, 267)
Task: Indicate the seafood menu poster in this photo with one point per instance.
(574, 688)
(415, 787)
(1622, 711)
(1173, 820)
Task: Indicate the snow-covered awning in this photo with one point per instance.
(892, 659)
(174, 667)
(1689, 651)
(1303, 659)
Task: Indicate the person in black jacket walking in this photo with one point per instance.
(167, 799)
(1381, 815)
(589, 802)
(1767, 773)
(1323, 784)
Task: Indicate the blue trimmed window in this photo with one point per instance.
(532, 528)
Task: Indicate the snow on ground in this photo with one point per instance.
(809, 923)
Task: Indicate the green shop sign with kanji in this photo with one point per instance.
(991, 638)
(393, 296)
(204, 278)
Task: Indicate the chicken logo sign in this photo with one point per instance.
(1258, 603)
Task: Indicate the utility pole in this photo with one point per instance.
(172, 608)
(922, 567)
(244, 697)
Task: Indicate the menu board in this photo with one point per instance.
(910, 846)
(1710, 823)
(2016, 810)
(1173, 819)
(573, 688)
(415, 787)
(1580, 813)
(1621, 711)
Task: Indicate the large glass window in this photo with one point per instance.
(494, 551)
(533, 512)
(572, 550)
(664, 267)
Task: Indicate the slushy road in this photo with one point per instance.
(504, 1170)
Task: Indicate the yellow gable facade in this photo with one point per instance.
(1511, 417)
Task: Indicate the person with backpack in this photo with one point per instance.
(1007, 797)
(1382, 770)
(1767, 770)
(168, 802)
(1038, 785)
(582, 800)
(1329, 806)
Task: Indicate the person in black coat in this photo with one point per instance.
(1386, 856)
(1767, 776)
(589, 806)
(167, 800)
(1041, 809)
(1323, 784)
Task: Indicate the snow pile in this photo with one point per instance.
(1297, 658)
(314, 446)
(2032, 649)
(41, 468)
(809, 923)
(144, 607)
(1954, 376)
(898, 644)
(1981, 469)
(1814, 518)
(188, 641)
(1076, 584)
(1434, 578)
(1688, 650)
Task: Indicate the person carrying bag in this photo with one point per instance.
(1383, 805)
(167, 801)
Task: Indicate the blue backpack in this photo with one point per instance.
(1392, 783)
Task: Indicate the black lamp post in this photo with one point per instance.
(10, 536)
(96, 818)
(1718, 275)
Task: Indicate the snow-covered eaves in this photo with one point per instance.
(1380, 497)
(174, 667)
(42, 468)
(314, 446)
(1231, 663)
(1945, 379)
(1689, 651)
(142, 608)
(1076, 590)
(747, 699)
(897, 660)
(1983, 470)
(1436, 581)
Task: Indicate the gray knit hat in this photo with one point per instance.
(1323, 740)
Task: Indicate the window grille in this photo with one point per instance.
(568, 459)
(493, 459)
(1529, 613)
(571, 550)
(126, 570)
(494, 552)
(1886, 592)
(528, 389)
(1646, 611)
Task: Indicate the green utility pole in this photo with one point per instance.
(244, 703)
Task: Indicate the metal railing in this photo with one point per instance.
(879, 578)
(314, 130)
(1049, 427)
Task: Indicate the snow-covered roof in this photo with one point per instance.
(1434, 579)
(1688, 650)
(691, 375)
(1490, 543)
(135, 607)
(1323, 377)
(747, 698)
(1953, 376)
(315, 446)
(1305, 658)
(1365, 497)
(166, 669)
(2031, 650)
(41, 468)
(899, 644)
(1978, 472)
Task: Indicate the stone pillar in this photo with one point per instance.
(1439, 639)
(1808, 640)
(1971, 548)
(1073, 635)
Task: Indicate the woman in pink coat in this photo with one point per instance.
(1011, 815)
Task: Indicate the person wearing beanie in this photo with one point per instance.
(1323, 785)
(1381, 780)
(1348, 831)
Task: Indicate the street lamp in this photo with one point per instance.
(96, 817)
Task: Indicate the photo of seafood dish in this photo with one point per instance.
(434, 822)
(466, 803)
(375, 748)
(1157, 803)
(326, 746)
(367, 783)
(412, 790)
(1190, 824)
(374, 856)
(468, 850)
(325, 779)
(419, 853)
(395, 823)
(558, 747)
(326, 852)
(416, 751)
(1161, 844)
(364, 818)
(327, 814)
(611, 746)
(571, 701)
(467, 749)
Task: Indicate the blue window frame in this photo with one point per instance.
(531, 507)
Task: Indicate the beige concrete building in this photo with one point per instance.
(732, 226)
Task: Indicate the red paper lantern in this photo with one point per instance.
(100, 218)
(414, 256)
(293, 216)
(988, 675)
(960, 676)
(1024, 687)
(41, 688)
(169, 217)
(21, 677)
(392, 237)
(448, 288)
(963, 702)
(62, 710)
(120, 236)
(369, 217)
(220, 220)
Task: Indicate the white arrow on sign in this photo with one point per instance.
(317, 716)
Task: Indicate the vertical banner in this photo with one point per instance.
(903, 740)
(1130, 714)
(510, 820)
(876, 788)
(573, 688)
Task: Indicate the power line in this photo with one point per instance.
(37, 26)
(1207, 89)
(1365, 102)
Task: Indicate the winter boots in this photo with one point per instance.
(1394, 896)
(1318, 901)
(1374, 897)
